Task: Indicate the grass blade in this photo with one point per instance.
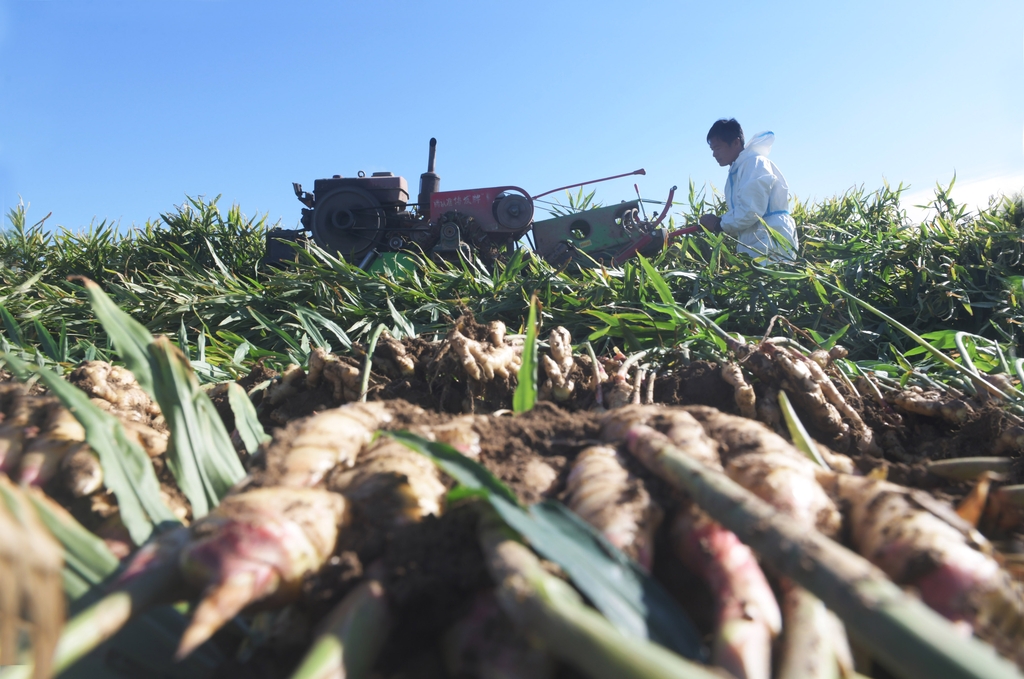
(246, 421)
(241, 352)
(62, 348)
(801, 439)
(664, 292)
(275, 328)
(49, 346)
(969, 468)
(364, 381)
(11, 326)
(308, 316)
(402, 324)
(525, 395)
(200, 454)
(130, 338)
(183, 339)
(665, 624)
(937, 353)
(549, 608)
(89, 555)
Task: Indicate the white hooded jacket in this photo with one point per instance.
(756, 191)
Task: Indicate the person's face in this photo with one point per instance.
(724, 153)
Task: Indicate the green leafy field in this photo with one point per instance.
(195, 275)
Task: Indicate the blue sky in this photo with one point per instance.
(119, 110)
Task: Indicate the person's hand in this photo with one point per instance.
(712, 223)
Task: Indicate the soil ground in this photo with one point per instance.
(434, 569)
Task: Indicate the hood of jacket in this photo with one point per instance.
(758, 145)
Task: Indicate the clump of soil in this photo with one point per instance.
(699, 383)
(433, 569)
(511, 444)
(922, 439)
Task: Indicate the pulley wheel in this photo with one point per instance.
(513, 212)
(629, 217)
(347, 222)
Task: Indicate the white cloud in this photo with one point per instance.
(974, 193)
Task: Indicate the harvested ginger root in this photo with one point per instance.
(254, 547)
(605, 495)
(309, 448)
(392, 480)
(745, 399)
(558, 365)
(929, 548)
(483, 361)
(748, 614)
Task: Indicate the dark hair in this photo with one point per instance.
(726, 130)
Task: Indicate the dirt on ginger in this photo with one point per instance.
(343, 377)
(930, 404)
(115, 385)
(395, 361)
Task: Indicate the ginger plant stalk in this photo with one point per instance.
(350, 637)
(553, 612)
(808, 648)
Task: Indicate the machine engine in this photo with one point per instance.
(360, 218)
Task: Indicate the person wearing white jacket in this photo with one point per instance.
(756, 194)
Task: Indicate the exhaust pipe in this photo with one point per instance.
(429, 182)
